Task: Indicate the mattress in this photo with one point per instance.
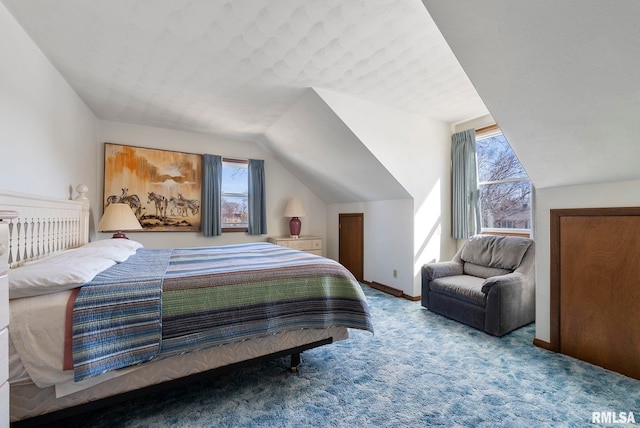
(40, 385)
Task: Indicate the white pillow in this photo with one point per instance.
(115, 242)
(55, 273)
(118, 255)
(69, 268)
(116, 252)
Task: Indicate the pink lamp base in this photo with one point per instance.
(294, 227)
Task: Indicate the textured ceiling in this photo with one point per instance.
(235, 67)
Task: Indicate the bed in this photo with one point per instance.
(92, 323)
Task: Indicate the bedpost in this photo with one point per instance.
(82, 190)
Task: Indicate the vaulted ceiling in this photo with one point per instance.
(559, 77)
(242, 69)
(235, 67)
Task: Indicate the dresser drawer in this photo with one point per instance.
(315, 244)
(4, 250)
(310, 244)
(4, 404)
(4, 355)
(305, 244)
(4, 301)
(297, 244)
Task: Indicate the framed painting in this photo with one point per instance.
(162, 187)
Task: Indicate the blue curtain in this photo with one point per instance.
(257, 205)
(211, 195)
(465, 204)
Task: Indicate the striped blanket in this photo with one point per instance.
(161, 303)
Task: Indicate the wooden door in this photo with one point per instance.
(351, 243)
(599, 293)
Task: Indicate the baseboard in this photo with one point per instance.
(542, 344)
(390, 290)
(386, 289)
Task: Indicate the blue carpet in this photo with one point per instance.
(419, 369)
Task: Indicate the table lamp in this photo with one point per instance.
(118, 217)
(294, 210)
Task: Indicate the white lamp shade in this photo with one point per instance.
(294, 208)
(118, 217)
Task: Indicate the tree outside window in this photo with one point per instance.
(505, 189)
(235, 190)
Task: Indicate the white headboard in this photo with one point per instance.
(45, 225)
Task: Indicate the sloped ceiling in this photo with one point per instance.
(324, 153)
(238, 68)
(559, 77)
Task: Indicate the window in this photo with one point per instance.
(235, 190)
(505, 189)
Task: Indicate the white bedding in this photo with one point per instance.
(36, 328)
(39, 292)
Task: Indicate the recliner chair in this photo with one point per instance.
(489, 284)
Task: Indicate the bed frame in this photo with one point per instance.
(44, 419)
(46, 226)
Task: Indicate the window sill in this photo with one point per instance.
(234, 229)
(507, 232)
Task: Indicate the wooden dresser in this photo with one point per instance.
(4, 316)
(310, 244)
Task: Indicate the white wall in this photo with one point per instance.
(47, 133)
(388, 227)
(416, 151)
(477, 123)
(615, 194)
(281, 184)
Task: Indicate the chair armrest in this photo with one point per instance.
(441, 269)
(510, 303)
(506, 280)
